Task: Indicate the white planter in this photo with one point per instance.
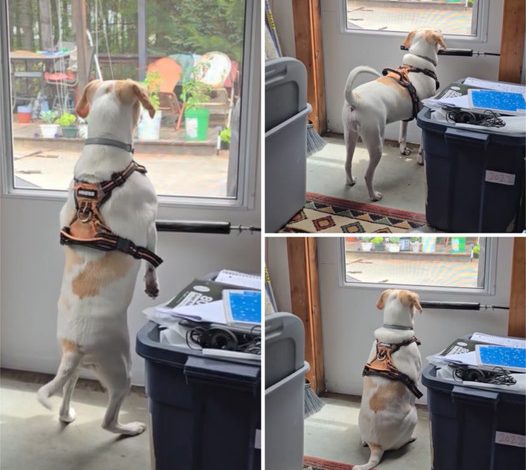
(48, 131)
(415, 247)
(149, 128)
(366, 246)
(393, 247)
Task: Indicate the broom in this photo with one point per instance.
(314, 142)
(312, 402)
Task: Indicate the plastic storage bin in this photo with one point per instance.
(205, 413)
(285, 140)
(284, 391)
(475, 179)
(474, 428)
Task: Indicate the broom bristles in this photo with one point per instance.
(312, 402)
(314, 142)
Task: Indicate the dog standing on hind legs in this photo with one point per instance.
(388, 415)
(390, 98)
(108, 226)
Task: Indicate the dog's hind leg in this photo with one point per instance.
(404, 150)
(350, 136)
(66, 370)
(113, 373)
(374, 141)
(376, 456)
(67, 413)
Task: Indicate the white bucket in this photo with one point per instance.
(149, 128)
(48, 131)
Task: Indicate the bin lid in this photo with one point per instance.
(434, 383)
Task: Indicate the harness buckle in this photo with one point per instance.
(84, 213)
(125, 245)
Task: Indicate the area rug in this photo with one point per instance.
(325, 214)
(314, 463)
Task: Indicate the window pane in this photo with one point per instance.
(190, 49)
(416, 261)
(448, 16)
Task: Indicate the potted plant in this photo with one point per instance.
(415, 244)
(224, 139)
(150, 128)
(67, 122)
(475, 251)
(194, 94)
(49, 129)
(378, 243)
(393, 245)
(366, 244)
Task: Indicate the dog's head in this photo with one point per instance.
(425, 42)
(399, 306)
(113, 101)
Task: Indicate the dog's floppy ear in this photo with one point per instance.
(82, 108)
(439, 39)
(381, 301)
(410, 299)
(409, 40)
(142, 96)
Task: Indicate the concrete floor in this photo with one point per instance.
(333, 434)
(32, 438)
(399, 178)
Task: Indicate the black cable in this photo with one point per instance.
(484, 118)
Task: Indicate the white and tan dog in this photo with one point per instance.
(97, 286)
(388, 414)
(369, 107)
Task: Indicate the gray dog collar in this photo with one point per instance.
(397, 327)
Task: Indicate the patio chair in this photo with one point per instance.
(64, 78)
(170, 72)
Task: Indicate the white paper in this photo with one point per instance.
(497, 86)
(213, 312)
(500, 340)
(235, 278)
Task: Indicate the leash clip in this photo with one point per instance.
(84, 213)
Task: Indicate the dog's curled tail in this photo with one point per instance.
(352, 76)
(376, 455)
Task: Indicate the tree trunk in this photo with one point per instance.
(26, 24)
(46, 32)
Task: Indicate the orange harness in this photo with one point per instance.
(383, 366)
(88, 228)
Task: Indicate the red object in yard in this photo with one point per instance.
(23, 118)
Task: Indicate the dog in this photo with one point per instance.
(388, 416)
(97, 286)
(369, 107)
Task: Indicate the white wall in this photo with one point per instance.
(282, 12)
(349, 318)
(349, 315)
(278, 266)
(31, 271)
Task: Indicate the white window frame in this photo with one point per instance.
(488, 262)
(249, 132)
(482, 17)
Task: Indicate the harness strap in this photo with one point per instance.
(110, 142)
(401, 75)
(383, 366)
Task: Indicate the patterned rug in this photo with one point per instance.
(314, 463)
(325, 214)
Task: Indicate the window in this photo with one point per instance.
(443, 262)
(452, 17)
(195, 57)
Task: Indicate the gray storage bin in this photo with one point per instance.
(284, 391)
(285, 140)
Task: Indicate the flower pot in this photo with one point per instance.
(196, 124)
(224, 145)
(70, 132)
(366, 246)
(393, 247)
(415, 247)
(149, 128)
(378, 246)
(48, 131)
(23, 118)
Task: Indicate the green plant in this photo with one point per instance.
(194, 92)
(377, 240)
(415, 239)
(476, 250)
(48, 117)
(394, 240)
(152, 82)
(66, 120)
(225, 135)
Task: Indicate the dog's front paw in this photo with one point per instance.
(151, 285)
(377, 196)
(130, 429)
(405, 151)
